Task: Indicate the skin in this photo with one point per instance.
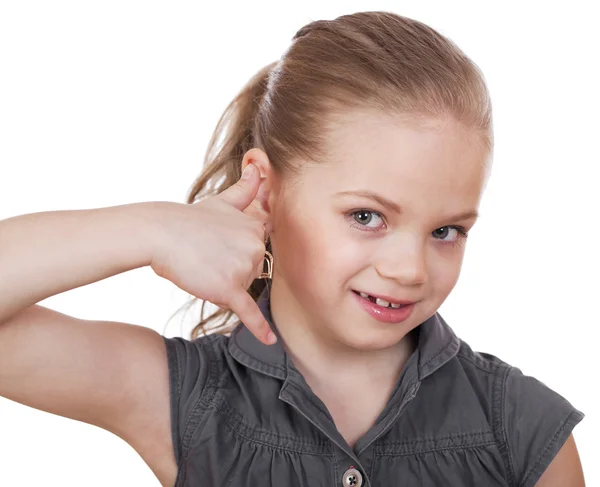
(322, 253)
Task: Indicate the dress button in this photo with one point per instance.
(352, 478)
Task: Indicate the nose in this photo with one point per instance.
(404, 262)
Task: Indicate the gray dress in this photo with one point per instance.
(243, 415)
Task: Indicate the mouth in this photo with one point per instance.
(385, 303)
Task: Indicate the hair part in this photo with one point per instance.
(366, 60)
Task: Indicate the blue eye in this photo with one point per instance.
(364, 217)
(462, 235)
(371, 221)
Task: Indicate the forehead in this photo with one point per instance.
(392, 155)
(402, 142)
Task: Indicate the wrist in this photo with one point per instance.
(146, 222)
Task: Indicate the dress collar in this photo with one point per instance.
(437, 344)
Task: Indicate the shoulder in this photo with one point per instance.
(532, 422)
(194, 370)
(184, 353)
(189, 360)
(481, 363)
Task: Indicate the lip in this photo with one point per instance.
(389, 299)
(385, 315)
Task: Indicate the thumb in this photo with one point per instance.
(242, 193)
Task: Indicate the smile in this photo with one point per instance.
(382, 302)
(382, 310)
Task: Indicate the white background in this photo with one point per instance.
(107, 103)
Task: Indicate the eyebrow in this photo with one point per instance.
(396, 208)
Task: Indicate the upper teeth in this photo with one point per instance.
(381, 302)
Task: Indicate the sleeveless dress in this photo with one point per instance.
(243, 415)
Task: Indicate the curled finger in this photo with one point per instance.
(250, 315)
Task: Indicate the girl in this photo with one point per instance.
(331, 219)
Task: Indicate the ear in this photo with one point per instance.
(260, 160)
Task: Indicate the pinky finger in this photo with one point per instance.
(250, 315)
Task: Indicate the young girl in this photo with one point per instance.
(331, 219)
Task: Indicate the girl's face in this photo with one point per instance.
(380, 216)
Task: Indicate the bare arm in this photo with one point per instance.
(565, 470)
(112, 375)
(47, 253)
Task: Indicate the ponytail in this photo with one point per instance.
(364, 60)
(222, 164)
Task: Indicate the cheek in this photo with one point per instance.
(316, 249)
(350, 253)
(444, 274)
(298, 249)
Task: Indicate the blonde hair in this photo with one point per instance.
(374, 60)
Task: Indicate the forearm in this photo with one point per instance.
(47, 253)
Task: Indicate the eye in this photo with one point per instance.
(371, 221)
(365, 217)
(462, 235)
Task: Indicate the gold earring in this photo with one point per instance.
(268, 257)
(269, 273)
